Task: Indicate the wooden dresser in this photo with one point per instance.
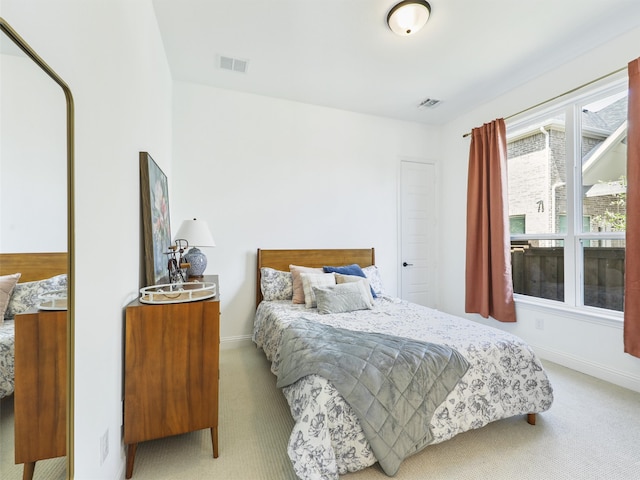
(40, 399)
(171, 371)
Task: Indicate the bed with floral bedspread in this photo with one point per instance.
(505, 378)
(24, 296)
(7, 340)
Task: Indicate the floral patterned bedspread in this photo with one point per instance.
(24, 297)
(7, 341)
(504, 379)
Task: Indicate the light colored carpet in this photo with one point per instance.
(592, 432)
(51, 469)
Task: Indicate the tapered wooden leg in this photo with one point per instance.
(29, 468)
(531, 418)
(131, 457)
(214, 441)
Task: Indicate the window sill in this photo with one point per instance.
(586, 314)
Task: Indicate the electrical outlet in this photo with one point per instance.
(540, 323)
(104, 446)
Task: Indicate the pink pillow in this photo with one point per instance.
(298, 290)
(7, 283)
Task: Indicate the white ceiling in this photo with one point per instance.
(341, 54)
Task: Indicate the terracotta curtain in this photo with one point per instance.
(488, 286)
(632, 257)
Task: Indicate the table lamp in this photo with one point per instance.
(197, 234)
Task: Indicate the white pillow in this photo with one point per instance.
(343, 297)
(298, 291)
(310, 280)
(340, 278)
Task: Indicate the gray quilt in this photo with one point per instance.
(393, 384)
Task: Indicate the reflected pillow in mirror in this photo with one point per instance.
(25, 295)
(7, 285)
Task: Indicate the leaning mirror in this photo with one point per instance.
(36, 242)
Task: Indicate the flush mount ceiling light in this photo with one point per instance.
(409, 16)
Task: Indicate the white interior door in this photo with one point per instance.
(418, 235)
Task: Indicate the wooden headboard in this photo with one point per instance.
(33, 266)
(281, 259)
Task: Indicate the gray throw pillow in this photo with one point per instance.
(343, 297)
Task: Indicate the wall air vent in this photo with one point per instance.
(429, 103)
(233, 64)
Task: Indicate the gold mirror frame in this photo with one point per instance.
(24, 46)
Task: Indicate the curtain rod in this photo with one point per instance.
(560, 96)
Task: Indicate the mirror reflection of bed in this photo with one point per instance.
(34, 399)
(36, 155)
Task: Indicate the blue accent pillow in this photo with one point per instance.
(353, 269)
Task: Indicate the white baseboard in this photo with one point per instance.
(235, 342)
(608, 374)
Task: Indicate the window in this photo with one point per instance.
(567, 177)
(517, 224)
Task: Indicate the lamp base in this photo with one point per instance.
(198, 261)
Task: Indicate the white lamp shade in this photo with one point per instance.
(407, 17)
(196, 232)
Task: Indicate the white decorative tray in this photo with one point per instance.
(177, 292)
(54, 300)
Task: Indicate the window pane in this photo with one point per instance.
(517, 224)
(537, 174)
(561, 222)
(604, 273)
(604, 163)
(538, 268)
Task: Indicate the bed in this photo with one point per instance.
(39, 273)
(503, 378)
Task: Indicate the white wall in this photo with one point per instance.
(33, 158)
(111, 55)
(589, 344)
(269, 173)
(263, 173)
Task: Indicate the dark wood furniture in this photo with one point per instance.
(33, 266)
(40, 398)
(171, 371)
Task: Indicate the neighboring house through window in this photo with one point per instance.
(567, 178)
(517, 224)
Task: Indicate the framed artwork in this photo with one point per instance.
(156, 225)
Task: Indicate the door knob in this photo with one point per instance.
(405, 264)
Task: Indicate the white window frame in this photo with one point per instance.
(570, 104)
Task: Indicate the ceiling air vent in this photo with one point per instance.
(233, 64)
(429, 103)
